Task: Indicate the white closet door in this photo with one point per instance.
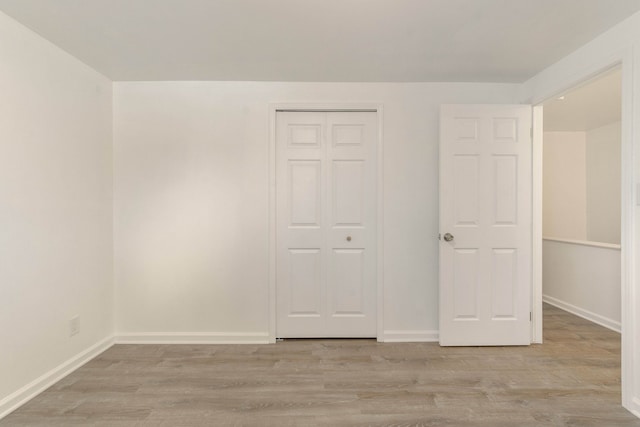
(485, 222)
(326, 224)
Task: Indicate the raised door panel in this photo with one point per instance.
(346, 283)
(505, 193)
(505, 129)
(465, 284)
(465, 129)
(305, 193)
(504, 284)
(348, 135)
(300, 135)
(348, 194)
(465, 190)
(305, 280)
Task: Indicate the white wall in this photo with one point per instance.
(55, 210)
(584, 280)
(191, 205)
(603, 184)
(581, 184)
(564, 185)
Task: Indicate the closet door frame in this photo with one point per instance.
(274, 108)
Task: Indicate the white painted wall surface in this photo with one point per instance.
(603, 183)
(581, 199)
(583, 279)
(191, 205)
(55, 208)
(564, 185)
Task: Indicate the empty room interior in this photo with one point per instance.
(418, 212)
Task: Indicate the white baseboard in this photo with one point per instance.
(193, 338)
(411, 336)
(635, 410)
(585, 314)
(37, 386)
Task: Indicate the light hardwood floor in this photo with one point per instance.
(573, 379)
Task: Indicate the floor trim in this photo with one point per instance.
(585, 314)
(636, 410)
(37, 386)
(411, 336)
(193, 338)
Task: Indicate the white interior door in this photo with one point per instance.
(485, 225)
(326, 224)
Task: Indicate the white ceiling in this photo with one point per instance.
(320, 40)
(590, 106)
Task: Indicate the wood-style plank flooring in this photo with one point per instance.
(573, 379)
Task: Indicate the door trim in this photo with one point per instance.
(623, 58)
(536, 225)
(274, 108)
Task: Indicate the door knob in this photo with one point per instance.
(448, 237)
(348, 238)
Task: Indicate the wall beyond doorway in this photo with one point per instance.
(582, 201)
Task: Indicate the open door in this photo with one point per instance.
(485, 225)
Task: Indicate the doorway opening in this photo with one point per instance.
(622, 60)
(582, 200)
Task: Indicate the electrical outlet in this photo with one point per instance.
(74, 326)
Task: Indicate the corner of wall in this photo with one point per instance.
(46, 380)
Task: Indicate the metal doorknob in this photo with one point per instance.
(448, 237)
(348, 238)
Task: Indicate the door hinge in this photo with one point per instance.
(531, 132)
(530, 317)
(439, 236)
